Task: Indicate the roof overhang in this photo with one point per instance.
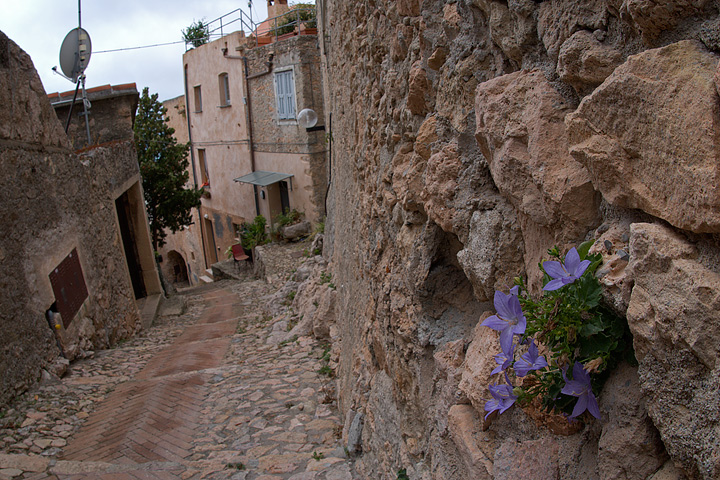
(262, 178)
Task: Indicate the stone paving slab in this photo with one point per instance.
(200, 396)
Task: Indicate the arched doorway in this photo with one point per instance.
(178, 273)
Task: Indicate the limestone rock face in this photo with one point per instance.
(479, 362)
(493, 254)
(453, 172)
(648, 136)
(558, 20)
(521, 132)
(528, 459)
(512, 28)
(478, 447)
(674, 316)
(585, 63)
(654, 16)
(629, 446)
(418, 88)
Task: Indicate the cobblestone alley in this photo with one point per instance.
(201, 395)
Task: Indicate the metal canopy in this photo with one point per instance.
(263, 179)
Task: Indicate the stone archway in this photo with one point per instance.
(177, 268)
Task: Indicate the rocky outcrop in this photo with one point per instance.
(585, 62)
(521, 132)
(648, 136)
(471, 137)
(673, 314)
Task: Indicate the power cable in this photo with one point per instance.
(137, 48)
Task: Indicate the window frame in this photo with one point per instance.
(279, 74)
(224, 90)
(197, 97)
(203, 164)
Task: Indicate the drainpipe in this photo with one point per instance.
(192, 160)
(248, 109)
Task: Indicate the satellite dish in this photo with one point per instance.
(307, 118)
(75, 53)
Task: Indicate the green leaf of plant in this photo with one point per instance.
(584, 248)
(592, 327)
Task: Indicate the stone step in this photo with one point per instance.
(205, 279)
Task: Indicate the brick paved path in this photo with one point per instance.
(214, 401)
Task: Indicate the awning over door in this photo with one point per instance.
(262, 178)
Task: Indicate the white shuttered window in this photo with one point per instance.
(285, 95)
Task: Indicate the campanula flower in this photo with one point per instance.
(509, 320)
(504, 360)
(564, 273)
(580, 387)
(503, 398)
(529, 361)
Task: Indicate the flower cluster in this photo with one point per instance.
(574, 329)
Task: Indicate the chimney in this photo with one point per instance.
(277, 7)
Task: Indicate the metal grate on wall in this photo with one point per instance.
(68, 285)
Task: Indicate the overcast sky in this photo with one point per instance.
(39, 27)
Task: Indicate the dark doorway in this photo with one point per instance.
(122, 207)
(284, 196)
(178, 268)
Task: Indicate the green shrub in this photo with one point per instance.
(253, 234)
(198, 33)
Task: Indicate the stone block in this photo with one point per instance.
(647, 136)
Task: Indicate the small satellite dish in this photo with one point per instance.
(307, 118)
(75, 53)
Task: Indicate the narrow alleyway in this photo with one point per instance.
(201, 396)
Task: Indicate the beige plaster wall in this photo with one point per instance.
(301, 195)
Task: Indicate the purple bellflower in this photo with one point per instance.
(529, 361)
(509, 320)
(504, 360)
(565, 273)
(580, 387)
(503, 398)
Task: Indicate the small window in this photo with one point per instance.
(285, 95)
(204, 175)
(198, 98)
(224, 86)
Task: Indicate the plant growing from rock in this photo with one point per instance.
(581, 339)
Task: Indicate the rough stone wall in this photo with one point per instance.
(111, 114)
(469, 137)
(55, 201)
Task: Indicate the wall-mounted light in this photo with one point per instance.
(262, 194)
(206, 216)
(307, 119)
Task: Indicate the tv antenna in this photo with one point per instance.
(74, 58)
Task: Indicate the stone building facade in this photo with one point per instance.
(469, 137)
(69, 286)
(239, 139)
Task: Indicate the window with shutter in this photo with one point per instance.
(285, 95)
(68, 284)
